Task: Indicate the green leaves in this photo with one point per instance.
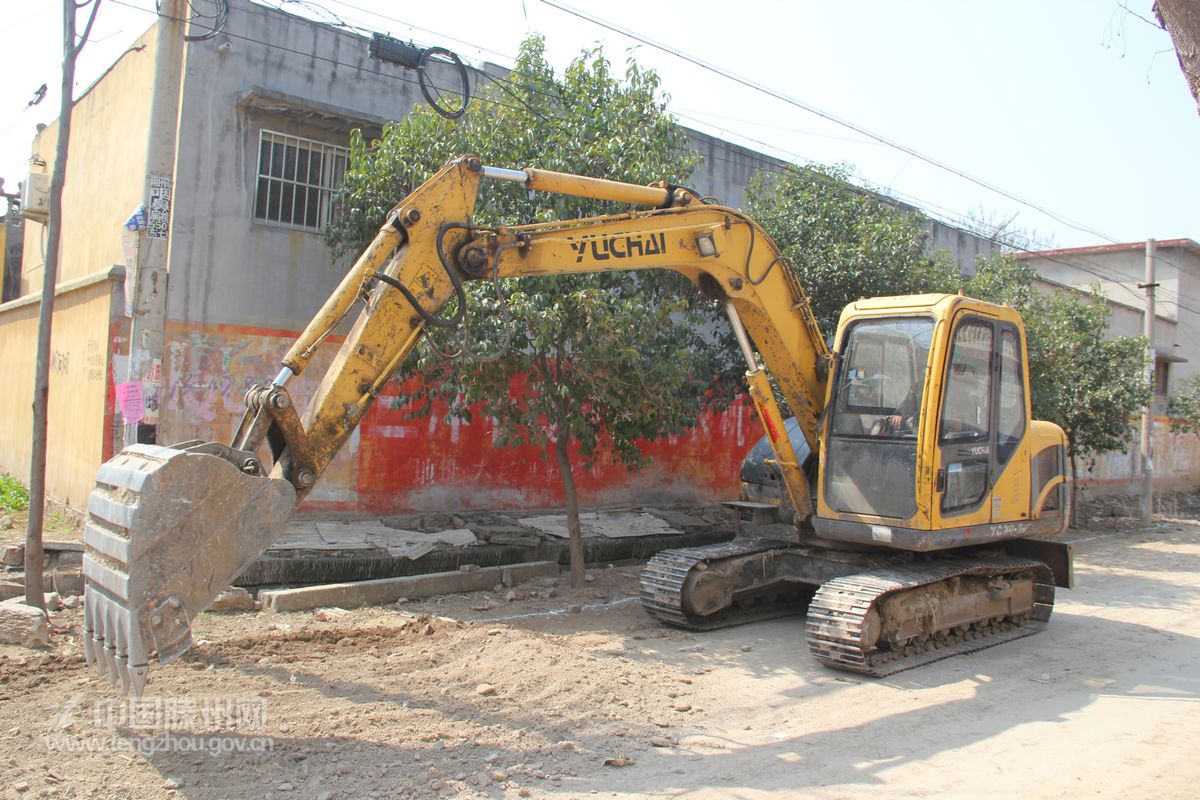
(13, 496)
(1183, 409)
(605, 360)
(844, 243)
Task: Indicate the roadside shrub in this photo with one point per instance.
(13, 496)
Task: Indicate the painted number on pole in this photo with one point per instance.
(129, 397)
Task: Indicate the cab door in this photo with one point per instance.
(982, 419)
(965, 431)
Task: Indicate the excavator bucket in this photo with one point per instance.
(167, 530)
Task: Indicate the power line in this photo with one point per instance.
(925, 206)
(1079, 262)
(503, 83)
(824, 115)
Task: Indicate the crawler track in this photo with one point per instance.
(664, 576)
(843, 609)
(838, 615)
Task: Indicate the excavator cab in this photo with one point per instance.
(928, 442)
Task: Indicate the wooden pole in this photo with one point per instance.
(34, 558)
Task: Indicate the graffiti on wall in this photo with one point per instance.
(208, 371)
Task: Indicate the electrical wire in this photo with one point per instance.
(823, 114)
(921, 205)
(1079, 261)
(1095, 269)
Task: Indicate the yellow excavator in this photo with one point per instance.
(922, 535)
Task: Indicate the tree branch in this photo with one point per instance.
(87, 30)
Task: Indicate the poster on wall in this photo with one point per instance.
(130, 236)
(129, 398)
(158, 219)
(151, 388)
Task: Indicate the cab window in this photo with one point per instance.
(1010, 417)
(871, 452)
(967, 406)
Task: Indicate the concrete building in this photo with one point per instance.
(200, 177)
(1119, 271)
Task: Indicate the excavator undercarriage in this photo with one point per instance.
(873, 612)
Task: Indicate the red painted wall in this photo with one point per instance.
(395, 464)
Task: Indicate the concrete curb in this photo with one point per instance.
(389, 590)
(314, 568)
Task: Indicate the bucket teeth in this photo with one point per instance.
(167, 531)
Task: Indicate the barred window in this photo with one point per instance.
(296, 180)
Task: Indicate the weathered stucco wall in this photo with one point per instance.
(81, 433)
(318, 82)
(313, 81)
(1176, 465)
(106, 169)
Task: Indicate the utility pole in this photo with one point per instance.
(1147, 443)
(146, 275)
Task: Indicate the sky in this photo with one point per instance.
(1068, 122)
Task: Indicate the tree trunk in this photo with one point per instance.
(575, 535)
(34, 557)
(1182, 19)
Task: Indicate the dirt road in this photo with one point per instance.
(407, 702)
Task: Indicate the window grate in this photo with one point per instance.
(297, 178)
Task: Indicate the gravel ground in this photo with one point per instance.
(550, 692)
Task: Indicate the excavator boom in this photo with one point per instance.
(170, 527)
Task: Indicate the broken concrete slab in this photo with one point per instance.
(412, 551)
(458, 537)
(15, 587)
(396, 536)
(297, 568)
(389, 590)
(13, 555)
(678, 519)
(399, 542)
(68, 582)
(613, 525)
(232, 598)
(507, 534)
(370, 535)
(55, 546)
(349, 533)
(22, 624)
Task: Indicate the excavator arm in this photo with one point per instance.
(420, 259)
(169, 527)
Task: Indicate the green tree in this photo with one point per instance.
(843, 242)
(599, 361)
(1183, 408)
(1090, 385)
